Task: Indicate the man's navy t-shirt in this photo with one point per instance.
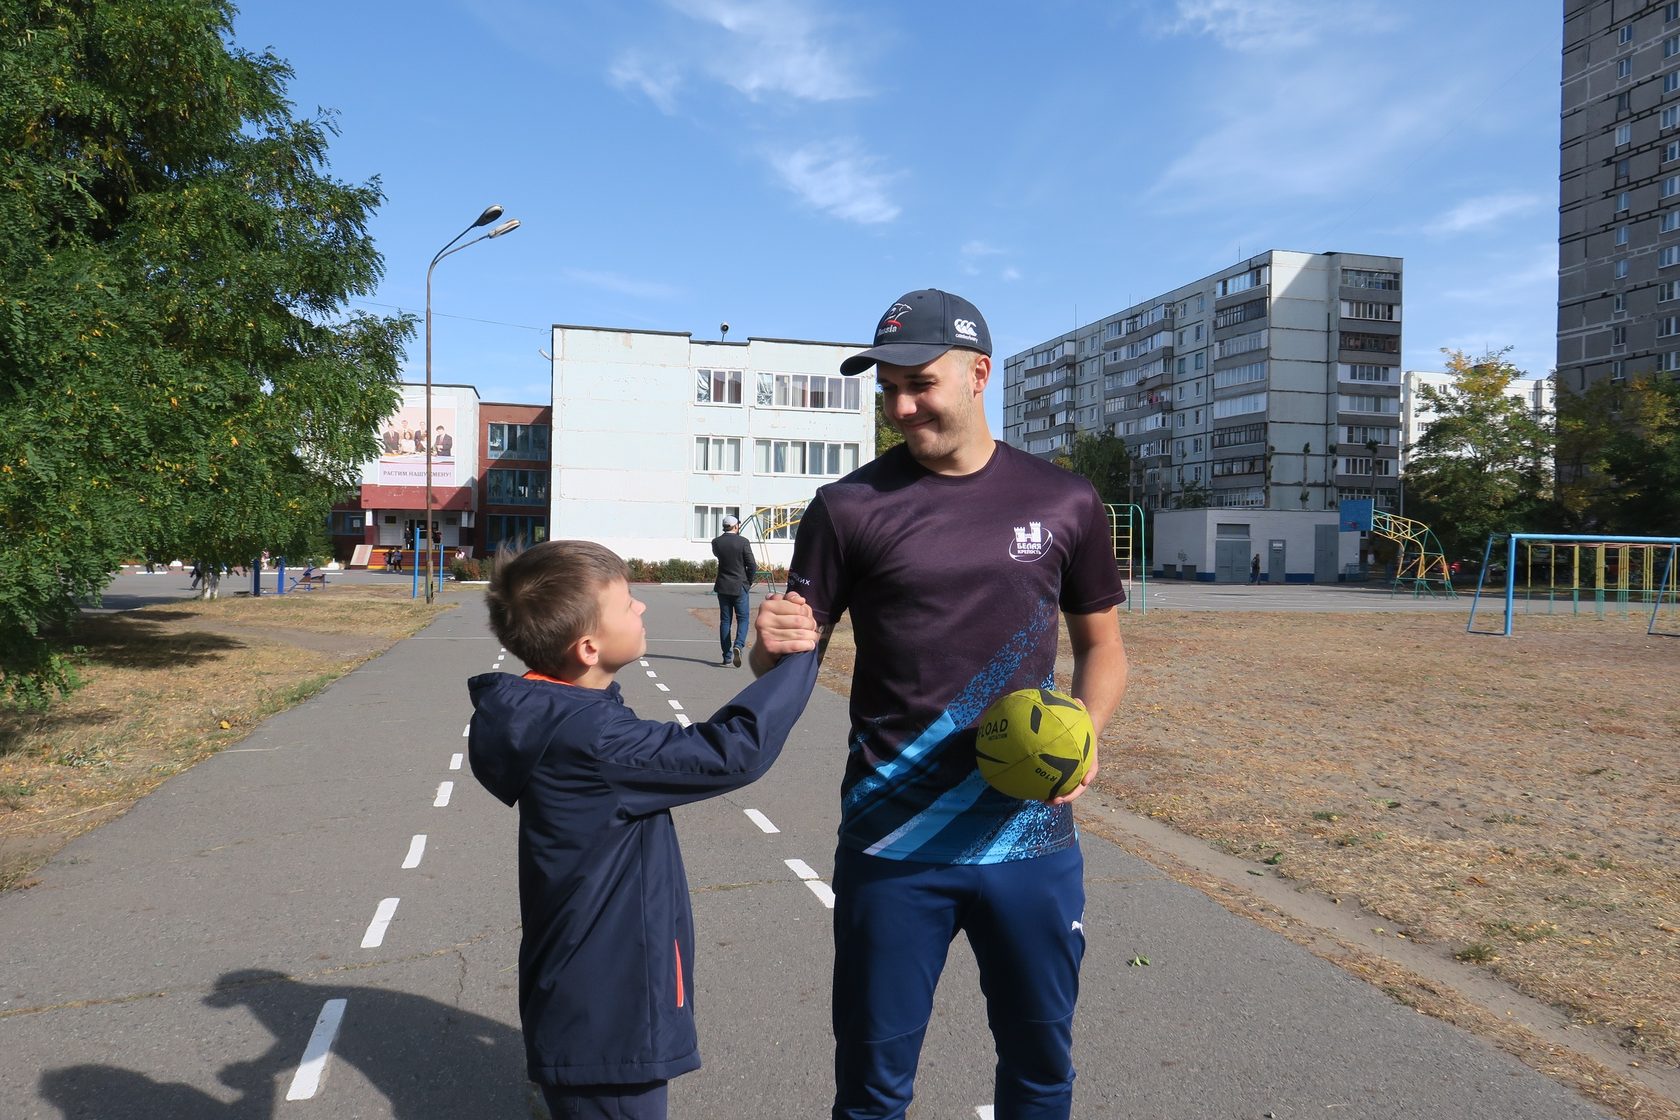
(954, 585)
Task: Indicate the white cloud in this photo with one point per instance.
(659, 84)
(1475, 213)
(622, 285)
(1277, 25)
(1286, 140)
(775, 47)
(837, 179)
(972, 249)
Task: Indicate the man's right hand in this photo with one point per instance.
(784, 625)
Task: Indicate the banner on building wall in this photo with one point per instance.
(403, 439)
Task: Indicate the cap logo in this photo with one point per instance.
(965, 329)
(890, 323)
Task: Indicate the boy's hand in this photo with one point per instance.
(784, 625)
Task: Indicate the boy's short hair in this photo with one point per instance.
(546, 597)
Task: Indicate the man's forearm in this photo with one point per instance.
(1099, 680)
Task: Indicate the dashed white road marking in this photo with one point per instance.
(651, 673)
(416, 849)
(375, 935)
(307, 1080)
(682, 719)
(661, 686)
(465, 731)
(442, 798)
(822, 890)
(762, 821)
(982, 1112)
(455, 761)
(676, 704)
(644, 665)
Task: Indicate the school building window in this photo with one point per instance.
(720, 454)
(805, 457)
(813, 391)
(717, 386)
(506, 530)
(506, 487)
(519, 441)
(708, 520)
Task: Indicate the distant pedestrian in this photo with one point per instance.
(736, 572)
(1254, 569)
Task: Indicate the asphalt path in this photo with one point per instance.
(322, 922)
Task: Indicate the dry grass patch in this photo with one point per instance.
(169, 685)
(1512, 800)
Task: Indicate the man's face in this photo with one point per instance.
(937, 407)
(620, 634)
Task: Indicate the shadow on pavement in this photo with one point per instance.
(426, 1058)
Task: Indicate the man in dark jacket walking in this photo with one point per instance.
(736, 570)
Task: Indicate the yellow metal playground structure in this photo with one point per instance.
(1576, 574)
(1421, 564)
(1125, 526)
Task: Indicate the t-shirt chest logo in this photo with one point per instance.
(1031, 541)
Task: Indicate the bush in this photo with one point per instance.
(466, 568)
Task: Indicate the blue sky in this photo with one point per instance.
(791, 166)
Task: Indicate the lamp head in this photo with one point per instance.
(506, 227)
(491, 213)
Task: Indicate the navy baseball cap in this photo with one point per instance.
(919, 327)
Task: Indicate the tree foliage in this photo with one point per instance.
(1485, 464)
(178, 372)
(1104, 460)
(886, 436)
(1619, 457)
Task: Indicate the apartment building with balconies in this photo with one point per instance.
(1274, 383)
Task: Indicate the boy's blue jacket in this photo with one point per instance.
(606, 960)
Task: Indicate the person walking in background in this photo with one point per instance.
(954, 555)
(736, 572)
(1254, 569)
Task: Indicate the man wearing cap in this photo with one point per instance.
(955, 554)
(736, 569)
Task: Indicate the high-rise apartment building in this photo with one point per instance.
(1274, 384)
(1619, 191)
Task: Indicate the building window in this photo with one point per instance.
(1621, 170)
(1236, 437)
(717, 386)
(1624, 135)
(1371, 278)
(519, 441)
(1669, 117)
(1668, 291)
(1624, 35)
(1671, 151)
(708, 520)
(819, 392)
(1349, 371)
(1253, 278)
(342, 523)
(1363, 309)
(1370, 343)
(1239, 406)
(1668, 256)
(504, 487)
(1671, 46)
(1242, 313)
(717, 454)
(1365, 402)
(1622, 199)
(1624, 67)
(1621, 270)
(1239, 375)
(1621, 235)
(805, 457)
(1671, 81)
(1225, 468)
(1240, 344)
(780, 523)
(508, 530)
(1618, 303)
(1668, 326)
(1670, 221)
(1671, 12)
(1367, 433)
(1364, 465)
(1624, 102)
(1671, 361)
(1618, 338)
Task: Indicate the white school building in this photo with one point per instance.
(658, 436)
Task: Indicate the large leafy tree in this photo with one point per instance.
(1104, 460)
(177, 368)
(1619, 457)
(1485, 464)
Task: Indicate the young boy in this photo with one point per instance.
(606, 960)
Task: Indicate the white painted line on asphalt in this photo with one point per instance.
(444, 790)
(661, 686)
(982, 1112)
(645, 665)
(307, 1080)
(682, 719)
(822, 890)
(416, 849)
(676, 704)
(465, 731)
(455, 761)
(762, 821)
(375, 934)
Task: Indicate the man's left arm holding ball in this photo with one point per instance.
(1099, 676)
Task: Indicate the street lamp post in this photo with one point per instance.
(491, 213)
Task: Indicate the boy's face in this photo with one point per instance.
(620, 636)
